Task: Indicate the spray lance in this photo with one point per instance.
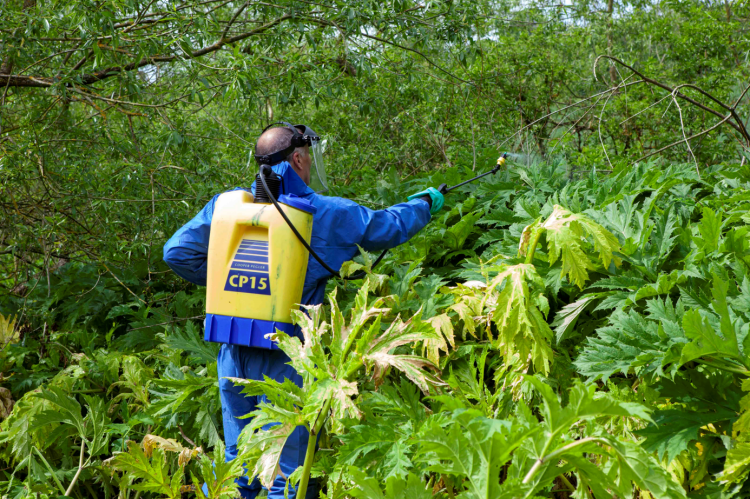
(267, 175)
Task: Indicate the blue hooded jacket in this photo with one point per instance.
(338, 227)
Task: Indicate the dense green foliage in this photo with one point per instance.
(574, 326)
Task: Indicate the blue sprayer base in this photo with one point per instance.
(242, 331)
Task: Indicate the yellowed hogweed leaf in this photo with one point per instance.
(6, 403)
(308, 357)
(263, 447)
(431, 350)
(150, 442)
(526, 235)
(339, 330)
(364, 311)
(343, 406)
(285, 394)
(403, 333)
(468, 304)
(350, 267)
(566, 232)
(413, 366)
(342, 334)
(522, 329)
(737, 463)
(442, 324)
(466, 313)
(267, 446)
(8, 333)
(377, 352)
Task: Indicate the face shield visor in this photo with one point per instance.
(318, 179)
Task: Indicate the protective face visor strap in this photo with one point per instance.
(277, 157)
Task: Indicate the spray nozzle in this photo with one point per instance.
(501, 160)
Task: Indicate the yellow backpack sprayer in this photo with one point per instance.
(254, 264)
(256, 255)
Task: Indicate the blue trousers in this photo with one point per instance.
(253, 363)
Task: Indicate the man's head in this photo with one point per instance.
(279, 138)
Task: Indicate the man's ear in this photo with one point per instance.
(296, 161)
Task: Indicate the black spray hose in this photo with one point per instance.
(444, 189)
(356, 275)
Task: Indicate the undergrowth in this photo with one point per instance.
(542, 337)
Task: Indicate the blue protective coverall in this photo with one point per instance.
(339, 226)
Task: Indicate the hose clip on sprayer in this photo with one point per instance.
(271, 184)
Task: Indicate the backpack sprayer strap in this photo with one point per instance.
(264, 169)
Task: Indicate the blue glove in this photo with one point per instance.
(433, 197)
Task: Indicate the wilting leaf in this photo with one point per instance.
(377, 351)
(8, 333)
(565, 232)
(6, 403)
(442, 324)
(263, 447)
(522, 329)
(151, 442)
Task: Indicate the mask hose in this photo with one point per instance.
(267, 190)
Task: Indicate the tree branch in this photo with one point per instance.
(739, 127)
(89, 78)
(726, 118)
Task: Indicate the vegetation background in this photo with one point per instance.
(581, 318)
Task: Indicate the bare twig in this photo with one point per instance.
(89, 78)
(188, 440)
(165, 323)
(231, 21)
(684, 135)
(123, 284)
(568, 107)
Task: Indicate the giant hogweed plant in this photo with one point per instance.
(627, 331)
(514, 303)
(464, 454)
(331, 360)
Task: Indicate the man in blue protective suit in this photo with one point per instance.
(339, 225)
